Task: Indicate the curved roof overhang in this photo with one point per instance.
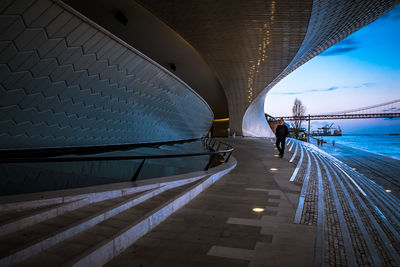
(247, 46)
(253, 44)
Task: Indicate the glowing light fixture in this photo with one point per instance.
(388, 190)
(354, 169)
(220, 120)
(258, 209)
(273, 169)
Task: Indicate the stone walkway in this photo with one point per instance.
(306, 209)
(317, 211)
(220, 228)
(357, 220)
(384, 170)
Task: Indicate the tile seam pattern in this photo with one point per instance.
(350, 258)
(74, 85)
(363, 203)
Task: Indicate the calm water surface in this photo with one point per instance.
(388, 145)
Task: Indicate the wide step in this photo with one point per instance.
(34, 238)
(77, 247)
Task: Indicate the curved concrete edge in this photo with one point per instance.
(110, 248)
(254, 123)
(92, 194)
(32, 248)
(315, 148)
(154, 217)
(65, 6)
(328, 156)
(40, 216)
(97, 193)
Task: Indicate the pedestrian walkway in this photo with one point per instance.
(220, 228)
(306, 209)
(318, 212)
(384, 170)
(357, 220)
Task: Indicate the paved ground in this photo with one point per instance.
(220, 228)
(317, 211)
(383, 170)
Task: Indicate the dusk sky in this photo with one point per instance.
(361, 70)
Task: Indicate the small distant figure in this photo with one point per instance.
(229, 131)
(333, 142)
(318, 142)
(281, 134)
(322, 141)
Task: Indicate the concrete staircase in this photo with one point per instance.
(90, 229)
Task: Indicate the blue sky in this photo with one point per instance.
(361, 70)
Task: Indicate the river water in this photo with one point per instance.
(388, 145)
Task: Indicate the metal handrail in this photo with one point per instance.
(72, 159)
(206, 141)
(82, 150)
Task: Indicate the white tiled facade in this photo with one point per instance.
(66, 82)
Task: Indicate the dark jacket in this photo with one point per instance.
(281, 131)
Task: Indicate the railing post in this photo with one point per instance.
(213, 144)
(136, 174)
(228, 156)
(218, 146)
(309, 118)
(209, 162)
(209, 142)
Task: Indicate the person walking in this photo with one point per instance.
(281, 134)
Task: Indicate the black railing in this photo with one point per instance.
(82, 150)
(214, 145)
(216, 156)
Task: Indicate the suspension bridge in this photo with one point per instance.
(388, 110)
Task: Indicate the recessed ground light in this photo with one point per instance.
(275, 148)
(354, 169)
(273, 169)
(276, 156)
(258, 209)
(388, 190)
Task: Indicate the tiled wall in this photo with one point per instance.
(64, 81)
